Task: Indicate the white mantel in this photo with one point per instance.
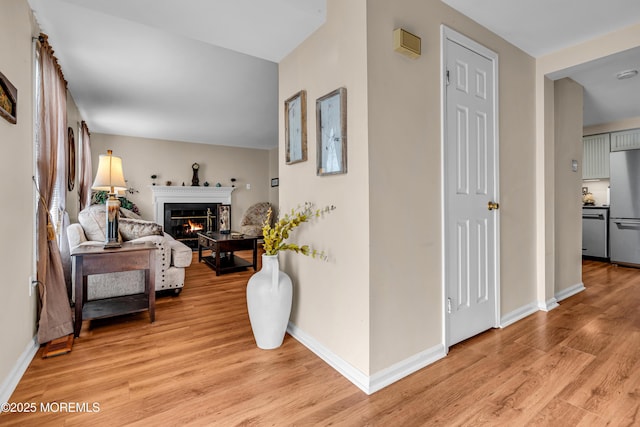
(182, 194)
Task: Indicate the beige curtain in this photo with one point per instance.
(84, 192)
(55, 316)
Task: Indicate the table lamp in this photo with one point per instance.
(111, 179)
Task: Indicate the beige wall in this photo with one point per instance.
(631, 123)
(172, 160)
(396, 193)
(568, 213)
(17, 308)
(405, 169)
(331, 299)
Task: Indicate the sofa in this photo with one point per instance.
(172, 256)
(253, 219)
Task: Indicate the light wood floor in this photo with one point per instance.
(197, 365)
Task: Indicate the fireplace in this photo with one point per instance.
(185, 220)
(183, 210)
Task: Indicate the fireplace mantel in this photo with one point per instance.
(182, 194)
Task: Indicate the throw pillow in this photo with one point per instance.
(131, 229)
(93, 222)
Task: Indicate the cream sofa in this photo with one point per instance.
(172, 256)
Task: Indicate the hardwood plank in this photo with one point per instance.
(198, 364)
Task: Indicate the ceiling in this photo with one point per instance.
(190, 70)
(206, 70)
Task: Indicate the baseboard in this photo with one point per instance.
(11, 382)
(518, 314)
(406, 367)
(376, 382)
(569, 292)
(549, 304)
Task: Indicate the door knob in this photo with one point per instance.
(493, 205)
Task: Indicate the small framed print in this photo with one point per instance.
(295, 125)
(331, 132)
(275, 182)
(8, 100)
(224, 219)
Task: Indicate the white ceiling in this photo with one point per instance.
(190, 70)
(206, 70)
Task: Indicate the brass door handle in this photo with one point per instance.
(493, 205)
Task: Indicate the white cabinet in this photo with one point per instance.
(625, 140)
(595, 157)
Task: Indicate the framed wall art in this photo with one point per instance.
(295, 125)
(224, 219)
(275, 182)
(8, 100)
(71, 159)
(331, 129)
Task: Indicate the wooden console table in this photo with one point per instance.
(97, 260)
(222, 246)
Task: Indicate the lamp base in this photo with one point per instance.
(112, 207)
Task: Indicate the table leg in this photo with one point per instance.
(218, 264)
(150, 275)
(255, 255)
(80, 286)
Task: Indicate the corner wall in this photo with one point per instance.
(331, 299)
(568, 201)
(17, 308)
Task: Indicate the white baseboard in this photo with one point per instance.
(368, 384)
(569, 292)
(11, 382)
(549, 304)
(518, 314)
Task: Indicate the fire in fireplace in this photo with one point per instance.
(185, 220)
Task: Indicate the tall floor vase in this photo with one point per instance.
(269, 297)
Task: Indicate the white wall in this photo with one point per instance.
(172, 160)
(17, 308)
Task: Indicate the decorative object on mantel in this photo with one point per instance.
(224, 219)
(168, 183)
(195, 181)
(233, 182)
(8, 100)
(270, 291)
(206, 183)
(154, 177)
(218, 184)
(110, 178)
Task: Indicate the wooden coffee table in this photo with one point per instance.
(98, 260)
(222, 247)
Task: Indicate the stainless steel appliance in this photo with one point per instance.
(625, 207)
(595, 231)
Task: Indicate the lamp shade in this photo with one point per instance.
(109, 177)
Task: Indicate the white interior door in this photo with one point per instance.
(470, 187)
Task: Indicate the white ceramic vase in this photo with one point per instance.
(269, 298)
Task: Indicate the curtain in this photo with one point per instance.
(84, 192)
(55, 316)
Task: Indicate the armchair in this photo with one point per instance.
(254, 217)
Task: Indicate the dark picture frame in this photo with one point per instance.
(224, 219)
(295, 128)
(8, 100)
(331, 132)
(71, 159)
(275, 182)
